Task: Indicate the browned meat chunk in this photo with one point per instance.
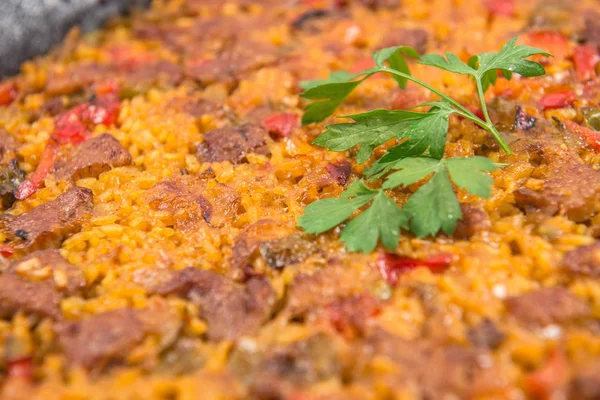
(196, 108)
(74, 79)
(133, 75)
(102, 338)
(547, 306)
(350, 315)
(93, 157)
(438, 370)
(309, 294)
(571, 189)
(37, 283)
(416, 38)
(474, 221)
(268, 237)
(584, 260)
(231, 310)
(233, 144)
(53, 106)
(233, 63)
(586, 383)
(278, 371)
(289, 250)
(35, 297)
(49, 224)
(486, 335)
(191, 200)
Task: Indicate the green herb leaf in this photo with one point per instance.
(382, 220)
(395, 59)
(511, 58)
(467, 174)
(451, 63)
(433, 207)
(336, 76)
(411, 170)
(424, 131)
(330, 96)
(323, 215)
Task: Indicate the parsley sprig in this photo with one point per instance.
(418, 154)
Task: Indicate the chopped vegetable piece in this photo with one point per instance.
(21, 368)
(585, 59)
(505, 8)
(103, 111)
(391, 266)
(6, 250)
(280, 125)
(72, 125)
(555, 100)
(340, 171)
(591, 137)
(31, 185)
(69, 128)
(11, 178)
(592, 117)
(8, 92)
(555, 42)
(545, 382)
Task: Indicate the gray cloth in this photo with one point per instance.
(31, 27)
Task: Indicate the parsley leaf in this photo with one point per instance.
(336, 76)
(451, 63)
(395, 58)
(322, 215)
(330, 96)
(411, 170)
(382, 220)
(466, 173)
(424, 131)
(433, 207)
(482, 67)
(418, 154)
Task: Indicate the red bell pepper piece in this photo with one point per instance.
(585, 59)
(6, 250)
(31, 185)
(105, 111)
(69, 128)
(590, 136)
(391, 266)
(547, 380)
(280, 125)
(562, 99)
(553, 42)
(8, 92)
(21, 368)
(505, 8)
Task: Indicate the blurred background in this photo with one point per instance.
(31, 27)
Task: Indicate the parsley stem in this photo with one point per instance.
(490, 124)
(430, 88)
(487, 124)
